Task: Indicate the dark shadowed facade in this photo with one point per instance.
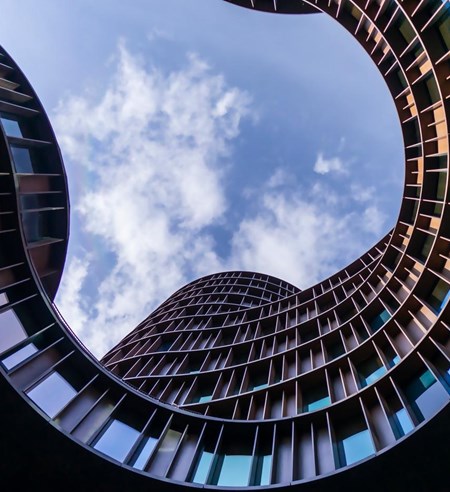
(241, 380)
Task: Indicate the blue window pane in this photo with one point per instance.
(316, 405)
(204, 399)
(11, 127)
(316, 398)
(396, 360)
(117, 440)
(11, 330)
(259, 386)
(235, 470)
(265, 471)
(144, 452)
(357, 447)
(370, 370)
(425, 395)
(379, 320)
(22, 159)
(52, 394)
(204, 464)
(19, 356)
(404, 422)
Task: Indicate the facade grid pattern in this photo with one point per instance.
(240, 379)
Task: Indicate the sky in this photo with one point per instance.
(200, 137)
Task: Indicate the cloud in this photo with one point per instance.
(156, 147)
(303, 234)
(325, 166)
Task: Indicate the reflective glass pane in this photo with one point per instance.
(204, 399)
(22, 159)
(404, 422)
(204, 464)
(370, 370)
(425, 395)
(52, 394)
(235, 470)
(357, 447)
(379, 320)
(316, 398)
(263, 467)
(11, 330)
(3, 299)
(19, 356)
(439, 296)
(144, 452)
(11, 126)
(117, 440)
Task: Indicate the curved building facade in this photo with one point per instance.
(239, 379)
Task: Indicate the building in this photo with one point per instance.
(240, 379)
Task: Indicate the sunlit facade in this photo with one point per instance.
(240, 379)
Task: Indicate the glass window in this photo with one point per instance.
(370, 370)
(52, 394)
(234, 470)
(439, 296)
(117, 440)
(11, 330)
(335, 350)
(425, 395)
(22, 159)
(316, 398)
(259, 382)
(19, 356)
(204, 398)
(354, 443)
(404, 423)
(263, 468)
(34, 226)
(164, 347)
(3, 299)
(144, 451)
(203, 466)
(379, 320)
(11, 126)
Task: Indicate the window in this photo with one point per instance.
(259, 382)
(117, 440)
(263, 465)
(3, 299)
(11, 330)
(379, 320)
(354, 443)
(144, 451)
(203, 465)
(335, 350)
(52, 394)
(232, 470)
(17, 357)
(316, 398)
(22, 159)
(425, 395)
(164, 346)
(370, 370)
(11, 126)
(439, 296)
(403, 421)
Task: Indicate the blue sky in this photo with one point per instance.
(201, 137)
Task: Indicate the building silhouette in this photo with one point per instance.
(240, 379)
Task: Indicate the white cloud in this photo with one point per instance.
(155, 145)
(157, 148)
(325, 166)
